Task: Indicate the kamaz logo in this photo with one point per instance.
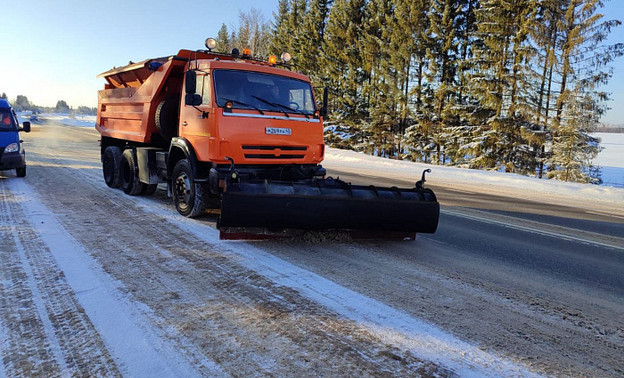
(278, 131)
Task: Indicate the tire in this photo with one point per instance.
(187, 194)
(21, 172)
(149, 189)
(111, 163)
(167, 118)
(130, 183)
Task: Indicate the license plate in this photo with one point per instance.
(278, 131)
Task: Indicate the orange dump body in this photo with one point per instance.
(127, 111)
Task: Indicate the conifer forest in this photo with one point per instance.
(507, 85)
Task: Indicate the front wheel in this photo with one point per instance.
(187, 194)
(21, 172)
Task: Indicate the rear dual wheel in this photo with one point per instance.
(120, 170)
(129, 172)
(189, 196)
(111, 162)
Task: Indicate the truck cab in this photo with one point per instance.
(12, 154)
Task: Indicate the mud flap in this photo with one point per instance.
(328, 205)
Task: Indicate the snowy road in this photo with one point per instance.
(94, 282)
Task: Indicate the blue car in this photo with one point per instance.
(12, 155)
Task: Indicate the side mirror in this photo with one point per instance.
(192, 99)
(324, 109)
(26, 126)
(190, 82)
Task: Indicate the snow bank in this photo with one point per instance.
(496, 182)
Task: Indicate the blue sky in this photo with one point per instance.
(52, 50)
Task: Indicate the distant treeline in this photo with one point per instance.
(488, 84)
(610, 129)
(21, 103)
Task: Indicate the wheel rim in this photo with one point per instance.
(183, 190)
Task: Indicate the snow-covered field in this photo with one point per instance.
(611, 158)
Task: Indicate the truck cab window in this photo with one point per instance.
(206, 89)
(267, 92)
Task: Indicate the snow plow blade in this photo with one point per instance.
(327, 204)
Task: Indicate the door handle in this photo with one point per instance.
(184, 123)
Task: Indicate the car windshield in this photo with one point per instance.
(264, 92)
(7, 123)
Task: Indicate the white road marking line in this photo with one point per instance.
(533, 230)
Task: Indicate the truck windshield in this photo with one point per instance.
(254, 90)
(7, 123)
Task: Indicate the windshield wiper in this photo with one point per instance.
(282, 105)
(244, 104)
(270, 103)
(294, 110)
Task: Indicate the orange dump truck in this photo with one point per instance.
(232, 132)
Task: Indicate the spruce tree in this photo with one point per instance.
(500, 82)
(224, 43)
(585, 65)
(313, 31)
(343, 63)
(410, 45)
(280, 39)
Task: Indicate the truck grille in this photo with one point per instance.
(273, 152)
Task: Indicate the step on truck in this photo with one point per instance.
(231, 132)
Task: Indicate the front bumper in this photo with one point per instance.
(12, 160)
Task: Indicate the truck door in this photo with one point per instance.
(196, 121)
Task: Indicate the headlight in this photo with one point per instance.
(13, 147)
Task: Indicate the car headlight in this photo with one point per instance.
(13, 147)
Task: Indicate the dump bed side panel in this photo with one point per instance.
(127, 105)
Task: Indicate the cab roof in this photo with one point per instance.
(4, 104)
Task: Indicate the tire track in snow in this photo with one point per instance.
(126, 339)
(26, 339)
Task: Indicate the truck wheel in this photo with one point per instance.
(130, 174)
(167, 118)
(21, 172)
(187, 194)
(111, 162)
